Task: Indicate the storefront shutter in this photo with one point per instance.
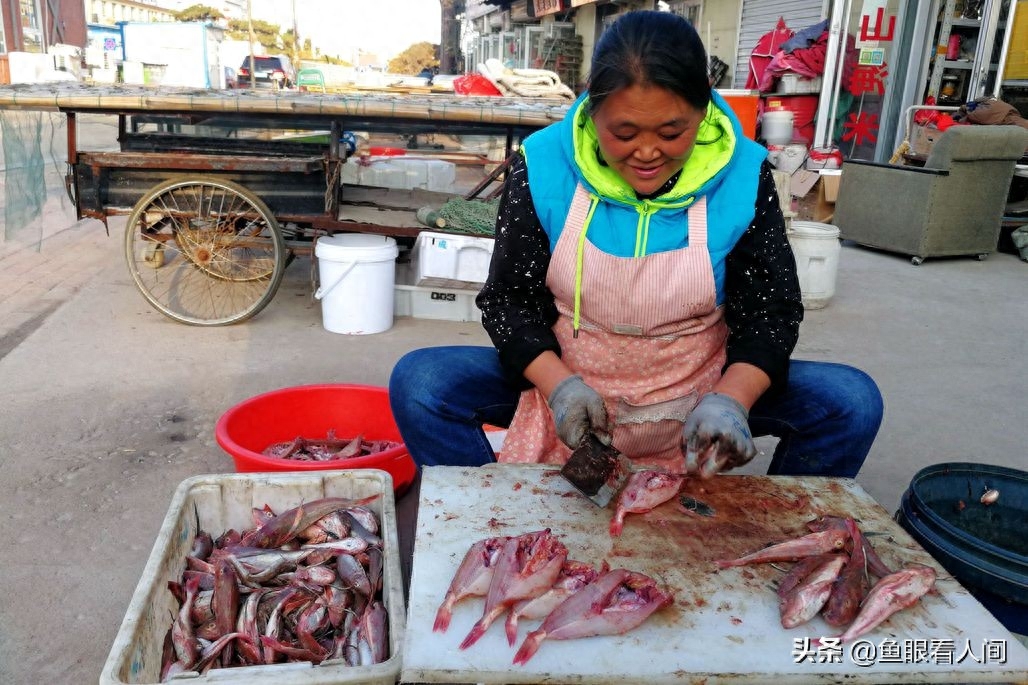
(760, 16)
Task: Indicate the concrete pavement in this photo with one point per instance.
(108, 406)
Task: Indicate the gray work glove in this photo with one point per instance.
(717, 436)
(577, 411)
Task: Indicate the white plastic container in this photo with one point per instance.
(816, 247)
(776, 126)
(445, 304)
(443, 260)
(357, 272)
(794, 84)
(216, 503)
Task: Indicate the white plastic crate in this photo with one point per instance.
(447, 304)
(216, 503)
(794, 84)
(450, 261)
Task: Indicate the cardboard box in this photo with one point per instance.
(827, 193)
(215, 503)
(922, 139)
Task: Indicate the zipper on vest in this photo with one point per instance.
(642, 228)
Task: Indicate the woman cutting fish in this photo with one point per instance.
(641, 289)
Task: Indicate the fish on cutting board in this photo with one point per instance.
(471, 579)
(804, 601)
(614, 603)
(644, 491)
(574, 576)
(890, 594)
(829, 540)
(874, 562)
(851, 587)
(527, 567)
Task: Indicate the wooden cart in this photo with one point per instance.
(223, 188)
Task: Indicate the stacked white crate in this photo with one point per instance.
(444, 275)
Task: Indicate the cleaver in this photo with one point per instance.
(596, 470)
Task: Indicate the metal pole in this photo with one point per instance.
(822, 138)
(1001, 68)
(253, 62)
(296, 41)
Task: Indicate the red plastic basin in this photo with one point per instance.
(249, 427)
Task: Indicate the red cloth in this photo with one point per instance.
(767, 47)
(808, 62)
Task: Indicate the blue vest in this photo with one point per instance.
(731, 195)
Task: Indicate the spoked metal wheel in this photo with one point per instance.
(204, 251)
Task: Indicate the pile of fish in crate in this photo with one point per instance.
(283, 578)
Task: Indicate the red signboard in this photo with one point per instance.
(543, 7)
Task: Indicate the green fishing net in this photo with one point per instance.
(32, 161)
(477, 217)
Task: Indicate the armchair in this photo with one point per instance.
(952, 206)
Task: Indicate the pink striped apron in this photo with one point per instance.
(651, 342)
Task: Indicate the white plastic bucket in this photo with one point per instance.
(357, 273)
(816, 247)
(776, 126)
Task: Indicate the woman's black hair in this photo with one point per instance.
(646, 47)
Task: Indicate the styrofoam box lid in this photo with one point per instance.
(357, 247)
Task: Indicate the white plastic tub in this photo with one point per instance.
(216, 503)
(357, 273)
(816, 248)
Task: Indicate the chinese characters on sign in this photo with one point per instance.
(943, 651)
(544, 7)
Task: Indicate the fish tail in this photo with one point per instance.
(529, 647)
(477, 631)
(443, 616)
(511, 627)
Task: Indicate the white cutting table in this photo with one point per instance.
(724, 626)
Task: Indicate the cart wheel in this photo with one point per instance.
(982, 256)
(204, 251)
(917, 261)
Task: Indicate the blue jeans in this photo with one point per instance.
(825, 419)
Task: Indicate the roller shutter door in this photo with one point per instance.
(760, 16)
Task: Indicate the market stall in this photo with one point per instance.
(223, 187)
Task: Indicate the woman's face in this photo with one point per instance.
(646, 134)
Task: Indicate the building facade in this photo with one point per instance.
(35, 25)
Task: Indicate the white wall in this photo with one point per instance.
(182, 48)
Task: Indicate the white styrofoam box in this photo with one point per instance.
(794, 84)
(29, 67)
(446, 304)
(450, 261)
(400, 172)
(215, 503)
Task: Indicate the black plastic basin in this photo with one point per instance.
(984, 546)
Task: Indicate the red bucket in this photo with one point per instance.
(310, 411)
